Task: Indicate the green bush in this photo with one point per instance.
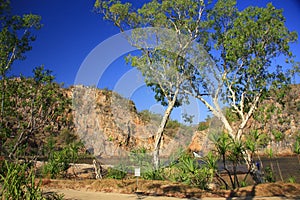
(292, 179)
(19, 183)
(173, 124)
(118, 172)
(203, 126)
(269, 175)
(59, 161)
(188, 171)
(149, 173)
(57, 164)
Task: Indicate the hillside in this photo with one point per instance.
(110, 125)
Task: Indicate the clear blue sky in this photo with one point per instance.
(71, 31)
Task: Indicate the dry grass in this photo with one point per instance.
(166, 188)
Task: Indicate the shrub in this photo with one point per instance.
(118, 172)
(190, 172)
(59, 161)
(153, 174)
(203, 126)
(269, 175)
(19, 183)
(292, 179)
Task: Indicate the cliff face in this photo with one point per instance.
(110, 125)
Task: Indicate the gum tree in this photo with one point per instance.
(176, 24)
(245, 44)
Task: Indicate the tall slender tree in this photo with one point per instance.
(245, 44)
(163, 49)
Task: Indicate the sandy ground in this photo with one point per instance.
(157, 190)
(83, 195)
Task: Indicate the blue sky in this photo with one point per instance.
(72, 30)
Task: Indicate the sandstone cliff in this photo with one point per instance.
(109, 125)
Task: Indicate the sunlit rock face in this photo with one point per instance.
(109, 125)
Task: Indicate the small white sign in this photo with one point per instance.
(137, 172)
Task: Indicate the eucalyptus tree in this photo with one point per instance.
(162, 62)
(16, 36)
(243, 46)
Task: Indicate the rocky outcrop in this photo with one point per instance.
(109, 125)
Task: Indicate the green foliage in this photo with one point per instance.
(236, 152)
(296, 146)
(292, 179)
(147, 116)
(187, 163)
(119, 172)
(211, 161)
(54, 196)
(278, 135)
(188, 170)
(33, 107)
(140, 158)
(230, 115)
(150, 173)
(59, 161)
(173, 124)
(231, 152)
(244, 183)
(67, 136)
(211, 164)
(19, 183)
(255, 140)
(269, 175)
(270, 152)
(222, 143)
(203, 126)
(171, 127)
(15, 36)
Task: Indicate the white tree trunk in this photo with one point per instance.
(160, 131)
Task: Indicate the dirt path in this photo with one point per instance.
(70, 194)
(82, 195)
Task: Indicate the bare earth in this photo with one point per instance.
(85, 187)
(82, 195)
(158, 190)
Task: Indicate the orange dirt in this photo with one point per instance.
(166, 188)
